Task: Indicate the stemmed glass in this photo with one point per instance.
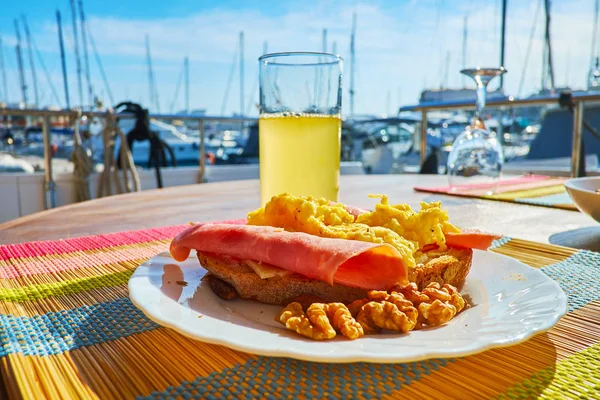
(476, 156)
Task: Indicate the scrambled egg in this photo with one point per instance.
(428, 226)
(396, 225)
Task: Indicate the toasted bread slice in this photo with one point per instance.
(451, 266)
(277, 290)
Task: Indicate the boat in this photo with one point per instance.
(10, 164)
(185, 148)
(549, 148)
(385, 141)
(61, 140)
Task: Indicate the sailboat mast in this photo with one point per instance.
(544, 65)
(3, 70)
(265, 47)
(242, 73)
(324, 40)
(31, 61)
(502, 42)
(151, 83)
(594, 33)
(20, 64)
(464, 47)
(86, 60)
(334, 47)
(352, 63)
(186, 66)
(547, 63)
(76, 47)
(548, 45)
(62, 59)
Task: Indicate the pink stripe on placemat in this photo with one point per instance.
(97, 242)
(505, 185)
(45, 248)
(34, 265)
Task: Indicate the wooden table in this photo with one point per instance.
(209, 202)
(70, 330)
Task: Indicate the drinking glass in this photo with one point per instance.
(300, 124)
(476, 156)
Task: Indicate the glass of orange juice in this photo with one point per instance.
(300, 124)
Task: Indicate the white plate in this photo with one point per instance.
(512, 302)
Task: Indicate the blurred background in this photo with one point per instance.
(192, 67)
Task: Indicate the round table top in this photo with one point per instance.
(226, 200)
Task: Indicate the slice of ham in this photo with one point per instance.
(471, 239)
(347, 262)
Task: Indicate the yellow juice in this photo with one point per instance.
(300, 155)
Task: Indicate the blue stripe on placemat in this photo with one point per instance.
(549, 200)
(255, 379)
(57, 332)
(500, 242)
(578, 276)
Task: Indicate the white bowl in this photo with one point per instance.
(585, 195)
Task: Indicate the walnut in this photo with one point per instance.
(398, 299)
(356, 305)
(321, 320)
(317, 328)
(385, 311)
(375, 316)
(402, 309)
(445, 303)
(366, 321)
(436, 313)
(436, 304)
(342, 321)
(403, 305)
(377, 295)
(317, 314)
(435, 292)
(411, 293)
(456, 298)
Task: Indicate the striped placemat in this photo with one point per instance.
(538, 190)
(69, 330)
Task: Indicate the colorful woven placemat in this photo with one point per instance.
(535, 190)
(69, 330)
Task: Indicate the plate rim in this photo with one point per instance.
(387, 358)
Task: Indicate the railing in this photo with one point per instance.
(49, 185)
(578, 100)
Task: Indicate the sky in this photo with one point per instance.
(402, 47)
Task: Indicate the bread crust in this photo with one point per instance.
(451, 266)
